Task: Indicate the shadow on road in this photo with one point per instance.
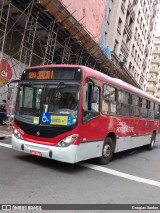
(51, 164)
(75, 168)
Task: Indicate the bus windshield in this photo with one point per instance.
(48, 104)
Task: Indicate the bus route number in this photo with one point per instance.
(41, 75)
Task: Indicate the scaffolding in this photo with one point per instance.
(43, 32)
(27, 44)
(51, 45)
(3, 25)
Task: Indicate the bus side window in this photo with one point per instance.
(151, 110)
(135, 106)
(91, 97)
(157, 111)
(109, 100)
(119, 102)
(123, 105)
(144, 108)
(126, 104)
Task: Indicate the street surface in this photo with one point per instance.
(35, 180)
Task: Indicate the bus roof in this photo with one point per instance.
(124, 85)
(103, 77)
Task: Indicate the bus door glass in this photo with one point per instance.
(157, 111)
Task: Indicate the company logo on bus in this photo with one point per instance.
(38, 133)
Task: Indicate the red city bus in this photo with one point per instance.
(72, 113)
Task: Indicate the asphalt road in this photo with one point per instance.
(35, 180)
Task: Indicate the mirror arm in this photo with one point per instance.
(10, 88)
(13, 81)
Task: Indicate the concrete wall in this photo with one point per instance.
(90, 13)
(16, 73)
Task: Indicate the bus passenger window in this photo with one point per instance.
(135, 112)
(109, 100)
(151, 110)
(91, 96)
(144, 109)
(157, 111)
(123, 105)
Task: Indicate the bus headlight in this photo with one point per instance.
(67, 141)
(17, 134)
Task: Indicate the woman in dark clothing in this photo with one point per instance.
(3, 111)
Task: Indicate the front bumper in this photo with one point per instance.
(64, 154)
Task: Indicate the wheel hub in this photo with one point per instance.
(106, 151)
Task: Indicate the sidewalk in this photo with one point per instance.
(5, 131)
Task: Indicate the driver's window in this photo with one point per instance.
(28, 97)
(91, 95)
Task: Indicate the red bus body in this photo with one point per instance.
(89, 136)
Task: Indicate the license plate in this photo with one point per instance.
(33, 152)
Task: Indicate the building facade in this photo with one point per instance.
(114, 37)
(130, 35)
(153, 85)
(127, 28)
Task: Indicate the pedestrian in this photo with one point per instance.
(3, 111)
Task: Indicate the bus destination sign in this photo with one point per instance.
(57, 73)
(42, 75)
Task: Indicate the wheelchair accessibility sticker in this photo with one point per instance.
(46, 118)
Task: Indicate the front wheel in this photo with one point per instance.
(107, 152)
(153, 139)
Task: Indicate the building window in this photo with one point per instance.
(115, 46)
(138, 18)
(130, 66)
(136, 32)
(119, 25)
(109, 15)
(133, 49)
(123, 6)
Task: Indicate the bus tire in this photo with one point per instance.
(107, 152)
(151, 145)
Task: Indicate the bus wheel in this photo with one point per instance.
(151, 145)
(107, 152)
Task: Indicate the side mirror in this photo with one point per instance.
(10, 88)
(13, 82)
(9, 93)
